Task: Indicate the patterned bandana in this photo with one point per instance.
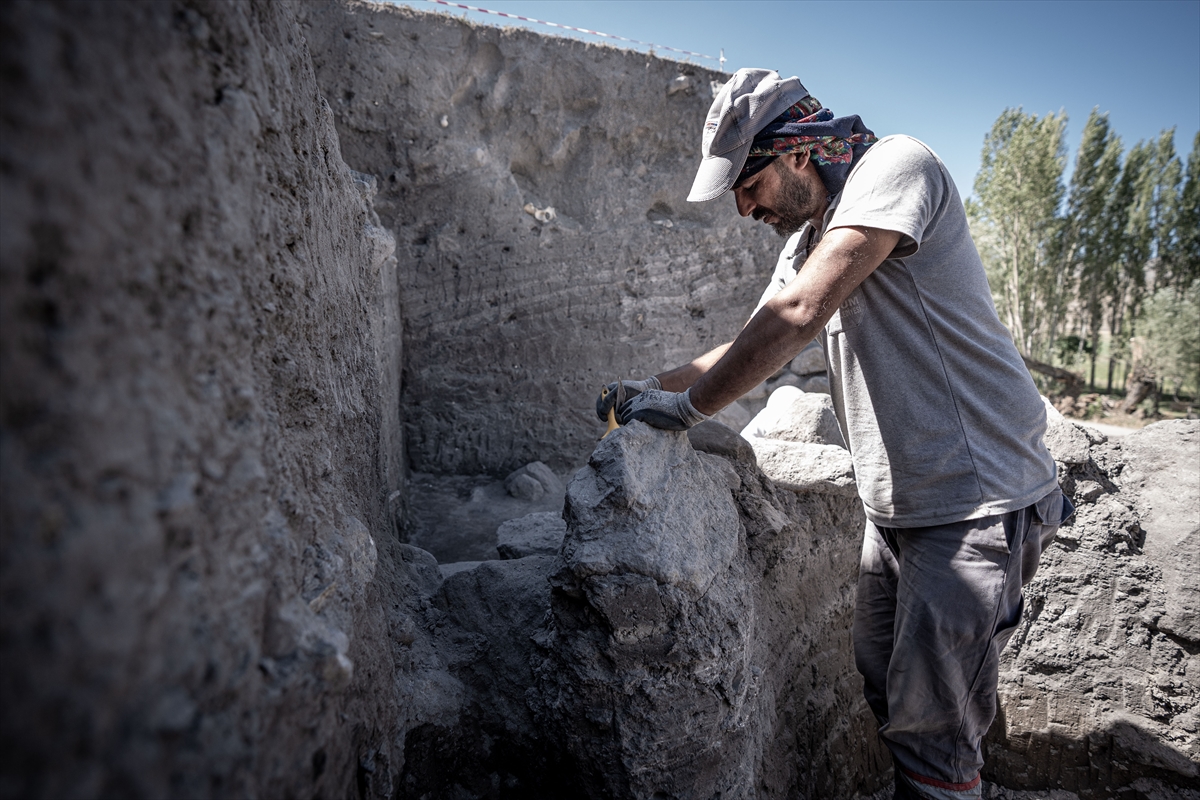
(833, 143)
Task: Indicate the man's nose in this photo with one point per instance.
(745, 205)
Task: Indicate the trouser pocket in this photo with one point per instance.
(1046, 516)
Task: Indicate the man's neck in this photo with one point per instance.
(818, 218)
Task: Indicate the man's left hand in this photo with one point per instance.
(671, 411)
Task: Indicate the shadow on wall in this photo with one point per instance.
(479, 762)
(1122, 759)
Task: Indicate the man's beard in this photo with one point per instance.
(796, 204)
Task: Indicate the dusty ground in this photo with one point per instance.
(455, 517)
(1108, 429)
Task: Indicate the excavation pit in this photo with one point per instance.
(267, 275)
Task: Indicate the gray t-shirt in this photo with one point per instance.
(942, 419)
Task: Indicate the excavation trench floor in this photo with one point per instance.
(455, 517)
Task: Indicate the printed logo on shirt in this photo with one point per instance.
(852, 309)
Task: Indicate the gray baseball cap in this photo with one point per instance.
(743, 107)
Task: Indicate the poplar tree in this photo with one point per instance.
(1186, 266)
(1121, 260)
(1019, 187)
(1160, 196)
(1125, 281)
(1151, 259)
(1089, 247)
(1170, 328)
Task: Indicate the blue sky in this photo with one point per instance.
(940, 71)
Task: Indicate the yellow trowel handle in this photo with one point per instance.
(612, 415)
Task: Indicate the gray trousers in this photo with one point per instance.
(935, 607)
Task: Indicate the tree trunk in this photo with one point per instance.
(1138, 389)
(1015, 283)
(1072, 383)
(1142, 382)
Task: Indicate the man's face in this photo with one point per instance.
(782, 196)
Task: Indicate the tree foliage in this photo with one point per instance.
(1114, 257)
(1171, 330)
(1186, 265)
(1020, 188)
(1091, 234)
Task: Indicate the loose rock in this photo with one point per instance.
(810, 361)
(804, 467)
(734, 415)
(656, 673)
(537, 534)
(524, 487)
(532, 481)
(816, 383)
(795, 416)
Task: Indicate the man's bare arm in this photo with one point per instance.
(681, 379)
(789, 320)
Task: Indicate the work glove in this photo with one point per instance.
(632, 388)
(671, 411)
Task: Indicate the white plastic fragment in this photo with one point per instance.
(540, 214)
(681, 83)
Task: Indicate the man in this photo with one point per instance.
(941, 417)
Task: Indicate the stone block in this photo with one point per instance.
(795, 416)
(536, 534)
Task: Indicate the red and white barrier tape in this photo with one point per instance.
(570, 28)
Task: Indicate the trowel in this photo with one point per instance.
(612, 412)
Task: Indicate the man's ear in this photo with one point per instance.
(795, 162)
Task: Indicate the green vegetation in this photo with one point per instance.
(1101, 277)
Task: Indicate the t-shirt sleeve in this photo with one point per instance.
(898, 186)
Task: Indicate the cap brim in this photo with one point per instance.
(717, 174)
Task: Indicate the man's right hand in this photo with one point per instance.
(608, 398)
